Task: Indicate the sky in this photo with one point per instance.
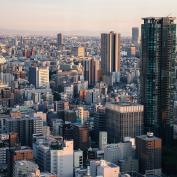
(80, 16)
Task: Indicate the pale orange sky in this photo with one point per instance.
(81, 16)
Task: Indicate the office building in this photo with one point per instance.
(6, 97)
(122, 154)
(123, 120)
(24, 153)
(32, 77)
(96, 71)
(61, 106)
(99, 120)
(42, 156)
(80, 172)
(158, 75)
(43, 77)
(25, 168)
(57, 127)
(110, 57)
(119, 151)
(25, 127)
(93, 96)
(102, 140)
(78, 51)
(148, 149)
(59, 40)
(78, 159)
(82, 115)
(39, 76)
(135, 36)
(9, 143)
(41, 151)
(81, 137)
(54, 155)
(70, 116)
(68, 131)
(62, 159)
(92, 71)
(103, 168)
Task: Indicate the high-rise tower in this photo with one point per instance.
(158, 75)
(149, 151)
(135, 35)
(110, 56)
(59, 40)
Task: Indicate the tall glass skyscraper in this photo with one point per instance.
(158, 75)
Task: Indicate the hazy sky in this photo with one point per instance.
(81, 16)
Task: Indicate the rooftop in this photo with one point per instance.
(149, 136)
(124, 107)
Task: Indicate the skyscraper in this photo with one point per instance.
(32, 76)
(110, 57)
(123, 120)
(148, 149)
(135, 35)
(59, 40)
(158, 75)
(91, 70)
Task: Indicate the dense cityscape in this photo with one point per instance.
(90, 106)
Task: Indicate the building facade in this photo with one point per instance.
(59, 40)
(123, 120)
(62, 159)
(39, 76)
(135, 35)
(103, 168)
(158, 75)
(110, 57)
(148, 149)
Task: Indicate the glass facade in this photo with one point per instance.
(158, 75)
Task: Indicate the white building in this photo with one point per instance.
(42, 77)
(62, 159)
(37, 125)
(122, 154)
(78, 159)
(115, 152)
(3, 158)
(102, 140)
(104, 169)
